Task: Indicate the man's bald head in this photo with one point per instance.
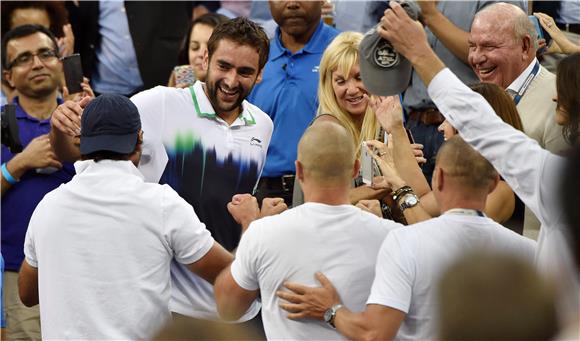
(465, 166)
(512, 17)
(327, 154)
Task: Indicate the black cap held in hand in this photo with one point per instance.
(110, 123)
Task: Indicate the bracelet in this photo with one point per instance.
(6, 174)
(397, 194)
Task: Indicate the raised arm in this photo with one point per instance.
(453, 37)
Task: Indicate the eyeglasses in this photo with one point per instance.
(27, 58)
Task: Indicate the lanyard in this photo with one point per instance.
(465, 211)
(520, 93)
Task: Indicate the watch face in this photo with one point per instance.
(411, 200)
(328, 315)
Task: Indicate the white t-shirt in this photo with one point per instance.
(103, 244)
(340, 241)
(411, 261)
(207, 161)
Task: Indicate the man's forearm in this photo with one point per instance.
(355, 326)
(454, 38)
(64, 146)
(427, 65)
(406, 163)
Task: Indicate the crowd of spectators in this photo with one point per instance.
(226, 167)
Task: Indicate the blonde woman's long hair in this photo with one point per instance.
(341, 55)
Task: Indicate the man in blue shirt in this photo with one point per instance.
(288, 91)
(32, 67)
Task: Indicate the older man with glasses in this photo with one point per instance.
(31, 65)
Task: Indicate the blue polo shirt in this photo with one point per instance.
(19, 202)
(288, 94)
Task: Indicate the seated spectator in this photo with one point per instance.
(501, 202)
(402, 302)
(486, 296)
(116, 237)
(30, 60)
(326, 233)
(530, 170)
(194, 46)
(342, 95)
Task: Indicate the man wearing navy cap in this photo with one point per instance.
(98, 249)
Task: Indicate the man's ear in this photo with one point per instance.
(7, 74)
(527, 45)
(438, 178)
(259, 78)
(205, 60)
(299, 170)
(493, 184)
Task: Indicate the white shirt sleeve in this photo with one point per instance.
(150, 104)
(526, 167)
(393, 284)
(185, 234)
(245, 267)
(29, 245)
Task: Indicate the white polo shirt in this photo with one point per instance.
(206, 160)
(103, 244)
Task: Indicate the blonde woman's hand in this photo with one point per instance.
(560, 44)
(388, 111)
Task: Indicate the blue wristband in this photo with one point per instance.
(6, 174)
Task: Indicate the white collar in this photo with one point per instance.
(122, 166)
(203, 108)
(518, 82)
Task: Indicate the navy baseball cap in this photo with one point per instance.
(384, 71)
(110, 123)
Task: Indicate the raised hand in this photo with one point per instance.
(67, 117)
(272, 206)
(388, 111)
(244, 209)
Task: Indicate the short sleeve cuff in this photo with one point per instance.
(33, 263)
(391, 303)
(198, 254)
(238, 275)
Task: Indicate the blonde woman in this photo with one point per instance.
(342, 96)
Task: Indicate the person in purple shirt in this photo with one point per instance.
(30, 60)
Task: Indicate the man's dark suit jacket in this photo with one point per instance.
(157, 29)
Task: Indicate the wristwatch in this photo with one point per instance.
(408, 200)
(330, 314)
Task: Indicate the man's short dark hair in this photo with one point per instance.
(244, 32)
(24, 31)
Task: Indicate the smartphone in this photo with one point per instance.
(540, 32)
(184, 75)
(369, 168)
(73, 73)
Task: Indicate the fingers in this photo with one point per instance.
(84, 101)
(292, 308)
(295, 287)
(66, 118)
(238, 198)
(288, 296)
(323, 280)
(375, 144)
